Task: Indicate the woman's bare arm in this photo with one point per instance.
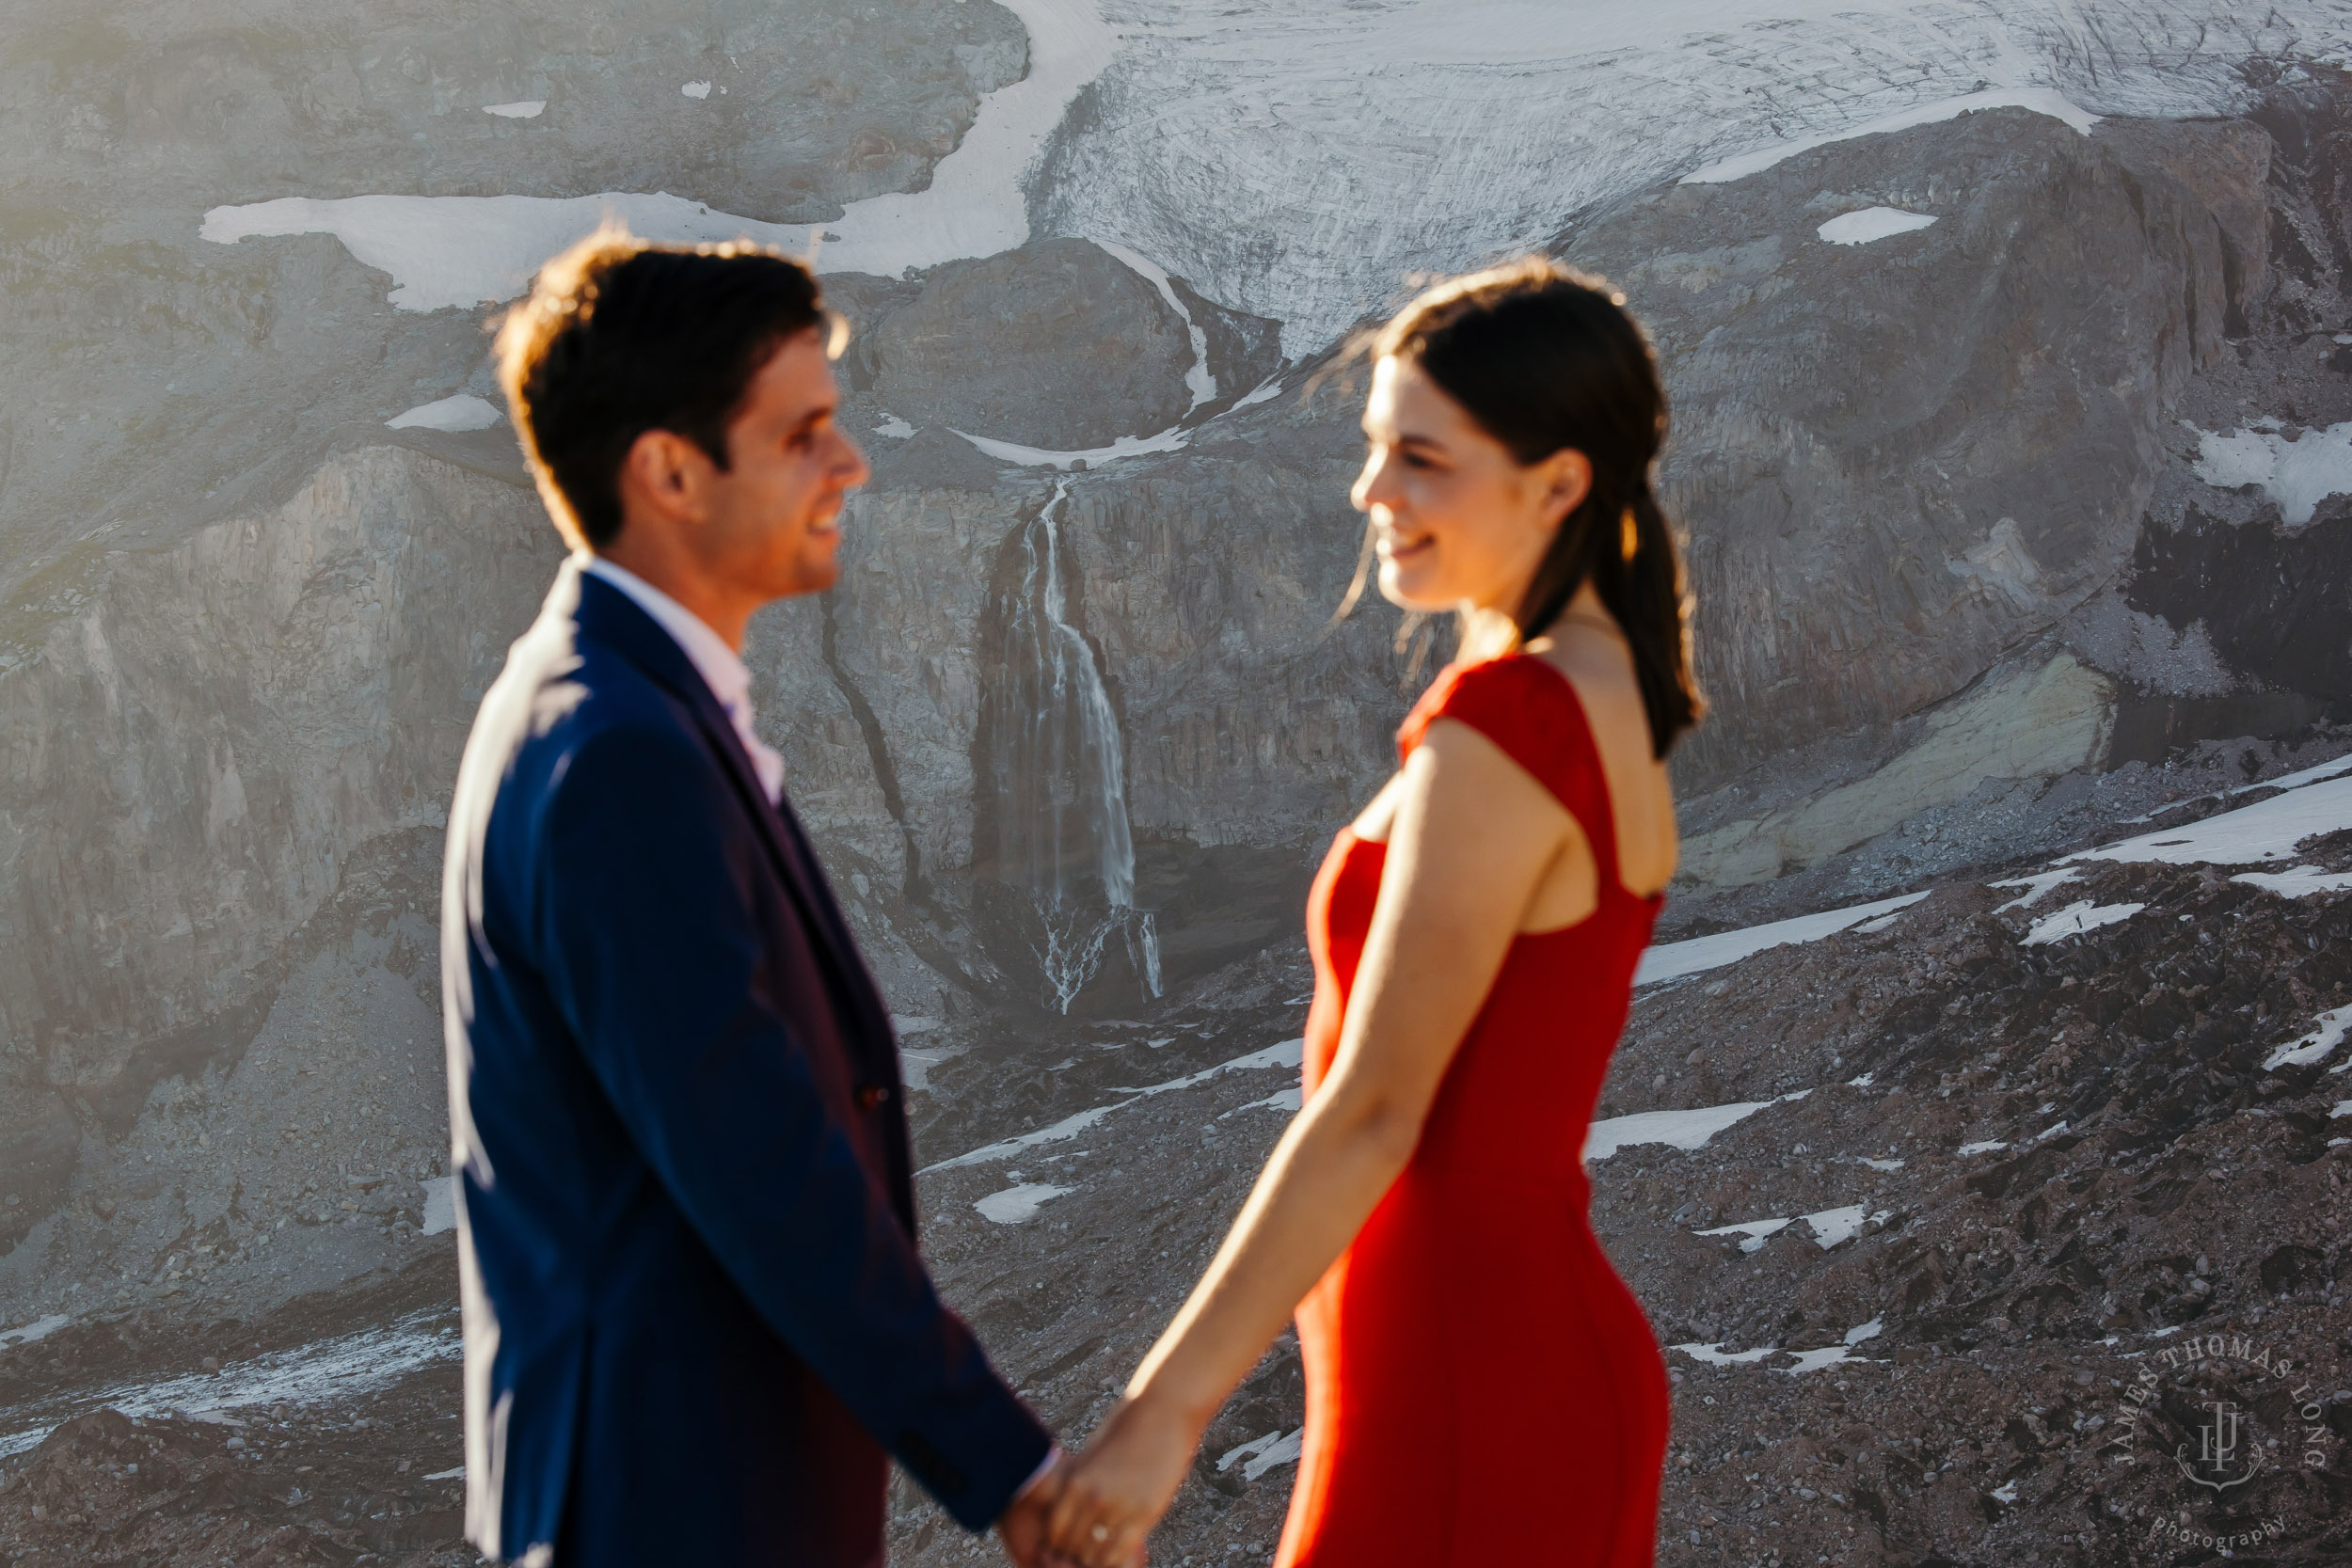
(1474, 837)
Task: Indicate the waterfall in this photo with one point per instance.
(1061, 789)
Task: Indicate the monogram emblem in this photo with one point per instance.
(2217, 1445)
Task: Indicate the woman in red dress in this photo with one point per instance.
(1482, 1388)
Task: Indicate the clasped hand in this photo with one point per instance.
(1095, 1510)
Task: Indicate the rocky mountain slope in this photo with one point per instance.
(2013, 437)
(1916, 1197)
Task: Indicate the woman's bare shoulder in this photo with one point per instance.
(1602, 679)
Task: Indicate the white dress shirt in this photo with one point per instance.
(721, 669)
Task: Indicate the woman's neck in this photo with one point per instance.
(1487, 632)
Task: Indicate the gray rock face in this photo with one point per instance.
(201, 750)
(1057, 344)
(1923, 449)
(802, 108)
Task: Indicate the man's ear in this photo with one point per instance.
(663, 474)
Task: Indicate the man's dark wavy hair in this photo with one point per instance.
(619, 337)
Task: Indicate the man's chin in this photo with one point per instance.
(820, 571)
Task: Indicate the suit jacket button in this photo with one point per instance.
(871, 1096)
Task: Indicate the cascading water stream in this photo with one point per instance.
(1061, 790)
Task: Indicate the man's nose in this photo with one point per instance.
(852, 467)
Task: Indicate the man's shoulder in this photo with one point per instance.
(597, 701)
(565, 708)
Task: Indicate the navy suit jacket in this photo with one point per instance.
(694, 1315)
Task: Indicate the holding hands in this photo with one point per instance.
(1120, 1487)
(1021, 1531)
(1095, 1510)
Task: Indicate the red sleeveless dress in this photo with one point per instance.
(1482, 1388)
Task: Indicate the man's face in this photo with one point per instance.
(772, 524)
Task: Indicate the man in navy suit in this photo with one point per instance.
(697, 1323)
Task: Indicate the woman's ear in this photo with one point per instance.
(1567, 477)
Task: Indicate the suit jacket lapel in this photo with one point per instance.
(606, 614)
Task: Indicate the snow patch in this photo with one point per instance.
(2299, 882)
(330, 1371)
(894, 427)
(2296, 475)
(1094, 457)
(1756, 1232)
(2329, 1030)
(1882, 1164)
(441, 1205)
(1016, 1204)
(458, 1474)
(1060, 1132)
(529, 108)
(463, 412)
(2043, 100)
(454, 252)
(915, 1067)
(1677, 958)
(2007, 1491)
(1806, 1360)
(696, 89)
(1830, 1227)
(40, 1328)
(975, 205)
(2266, 830)
(1682, 1129)
(2290, 781)
(1716, 1355)
(1829, 1355)
(1196, 380)
(1985, 1146)
(1287, 1101)
(1288, 1053)
(2328, 769)
(1264, 391)
(2035, 886)
(1261, 1454)
(1873, 223)
(2076, 919)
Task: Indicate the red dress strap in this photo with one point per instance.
(1533, 712)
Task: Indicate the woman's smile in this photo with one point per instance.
(1397, 545)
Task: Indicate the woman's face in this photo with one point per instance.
(1457, 522)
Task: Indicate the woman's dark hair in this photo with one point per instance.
(1545, 358)
(619, 337)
